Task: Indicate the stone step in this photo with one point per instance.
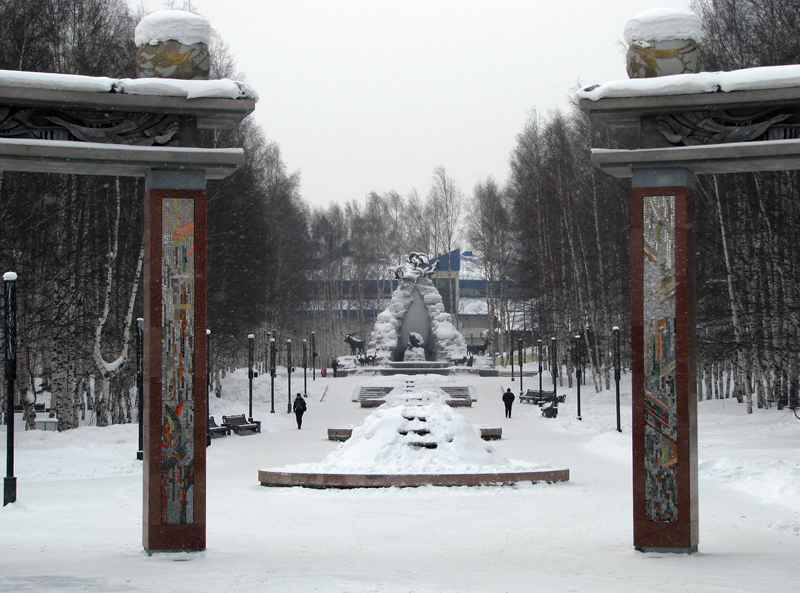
(342, 434)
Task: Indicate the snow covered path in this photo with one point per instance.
(77, 525)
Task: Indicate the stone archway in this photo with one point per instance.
(690, 124)
(175, 172)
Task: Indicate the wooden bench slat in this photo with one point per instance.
(239, 422)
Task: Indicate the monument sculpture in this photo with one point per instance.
(415, 327)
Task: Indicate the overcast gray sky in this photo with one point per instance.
(372, 95)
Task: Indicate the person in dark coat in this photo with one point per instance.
(299, 408)
(335, 367)
(508, 399)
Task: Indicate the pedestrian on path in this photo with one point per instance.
(508, 399)
(299, 409)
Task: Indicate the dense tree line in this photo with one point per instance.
(749, 228)
(76, 241)
(572, 227)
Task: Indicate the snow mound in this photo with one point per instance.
(415, 432)
(179, 25)
(775, 481)
(662, 24)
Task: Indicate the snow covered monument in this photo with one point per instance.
(147, 127)
(690, 123)
(415, 334)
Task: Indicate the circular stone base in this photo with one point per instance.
(320, 480)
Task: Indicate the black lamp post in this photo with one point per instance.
(539, 344)
(272, 355)
(305, 368)
(511, 352)
(208, 366)
(250, 352)
(519, 344)
(10, 294)
(140, 384)
(617, 372)
(553, 367)
(313, 356)
(578, 371)
(289, 375)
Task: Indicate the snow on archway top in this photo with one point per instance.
(179, 25)
(662, 24)
(748, 79)
(165, 87)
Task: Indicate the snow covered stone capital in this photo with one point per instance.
(179, 25)
(663, 24)
(663, 42)
(173, 44)
(10, 276)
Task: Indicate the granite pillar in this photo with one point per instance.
(175, 404)
(664, 357)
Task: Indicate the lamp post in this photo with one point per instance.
(617, 372)
(266, 351)
(305, 368)
(272, 354)
(539, 344)
(250, 349)
(208, 365)
(578, 371)
(511, 352)
(519, 344)
(553, 365)
(313, 356)
(10, 294)
(289, 375)
(140, 384)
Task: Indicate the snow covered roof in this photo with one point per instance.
(179, 25)
(748, 79)
(162, 87)
(661, 24)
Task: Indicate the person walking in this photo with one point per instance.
(508, 399)
(335, 367)
(299, 407)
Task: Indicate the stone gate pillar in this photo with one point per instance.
(175, 404)
(664, 357)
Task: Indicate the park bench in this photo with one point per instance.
(38, 408)
(215, 430)
(339, 434)
(491, 434)
(540, 397)
(239, 423)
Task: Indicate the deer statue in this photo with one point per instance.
(356, 346)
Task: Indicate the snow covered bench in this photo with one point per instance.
(339, 434)
(216, 430)
(239, 423)
(491, 434)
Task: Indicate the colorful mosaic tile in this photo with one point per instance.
(177, 361)
(661, 457)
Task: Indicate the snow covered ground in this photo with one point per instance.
(77, 523)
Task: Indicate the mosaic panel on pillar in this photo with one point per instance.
(660, 405)
(177, 361)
